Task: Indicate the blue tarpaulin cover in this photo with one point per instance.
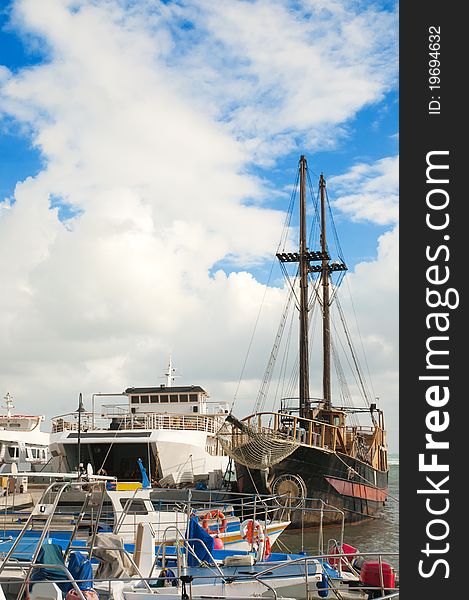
(196, 532)
(80, 569)
(50, 554)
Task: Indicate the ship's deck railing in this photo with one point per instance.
(310, 432)
(126, 421)
(360, 429)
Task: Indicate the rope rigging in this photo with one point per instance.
(281, 346)
(314, 299)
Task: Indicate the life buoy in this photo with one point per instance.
(267, 548)
(251, 530)
(219, 516)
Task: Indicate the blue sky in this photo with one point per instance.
(152, 146)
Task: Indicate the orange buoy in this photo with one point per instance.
(214, 514)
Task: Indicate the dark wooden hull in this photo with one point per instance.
(346, 483)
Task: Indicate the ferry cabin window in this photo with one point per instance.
(193, 398)
(173, 398)
(13, 451)
(195, 409)
(144, 399)
(154, 399)
(135, 399)
(164, 398)
(134, 507)
(336, 420)
(183, 398)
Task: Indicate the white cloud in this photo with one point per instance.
(287, 75)
(149, 138)
(370, 192)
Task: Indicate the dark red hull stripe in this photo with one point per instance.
(357, 490)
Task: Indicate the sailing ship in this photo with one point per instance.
(312, 448)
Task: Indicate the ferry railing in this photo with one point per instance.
(128, 421)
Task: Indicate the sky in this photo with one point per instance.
(147, 155)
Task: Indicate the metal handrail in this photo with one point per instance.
(215, 564)
(209, 422)
(306, 559)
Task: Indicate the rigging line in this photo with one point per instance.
(361, 339)
(294, 372)
(289, 214)
(343, 349)
(288, 387)
(289, 281)
(343, 382)
(315, 296)
(313, 318)
(335, 286)
(254, 332)
(284, 237)
(283, 366)
(352, 350)
(262, 395)
(357, 381)
(334, 230)
(291, 386)
(316, 219)
(341, 376)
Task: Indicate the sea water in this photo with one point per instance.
(380, 534)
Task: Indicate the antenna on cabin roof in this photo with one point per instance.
(170, 376)
(8, 403)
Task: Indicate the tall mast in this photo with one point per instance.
(305, 258)
(304, 269)
(326, 325)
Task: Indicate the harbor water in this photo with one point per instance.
(380, 534)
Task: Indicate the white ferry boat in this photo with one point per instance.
(22, 443)
(170, 428)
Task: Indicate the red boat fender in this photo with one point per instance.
(370, 575)
(346, 549)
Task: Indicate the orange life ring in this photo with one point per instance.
(251, 530)
(267, 548)
(214, 514)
